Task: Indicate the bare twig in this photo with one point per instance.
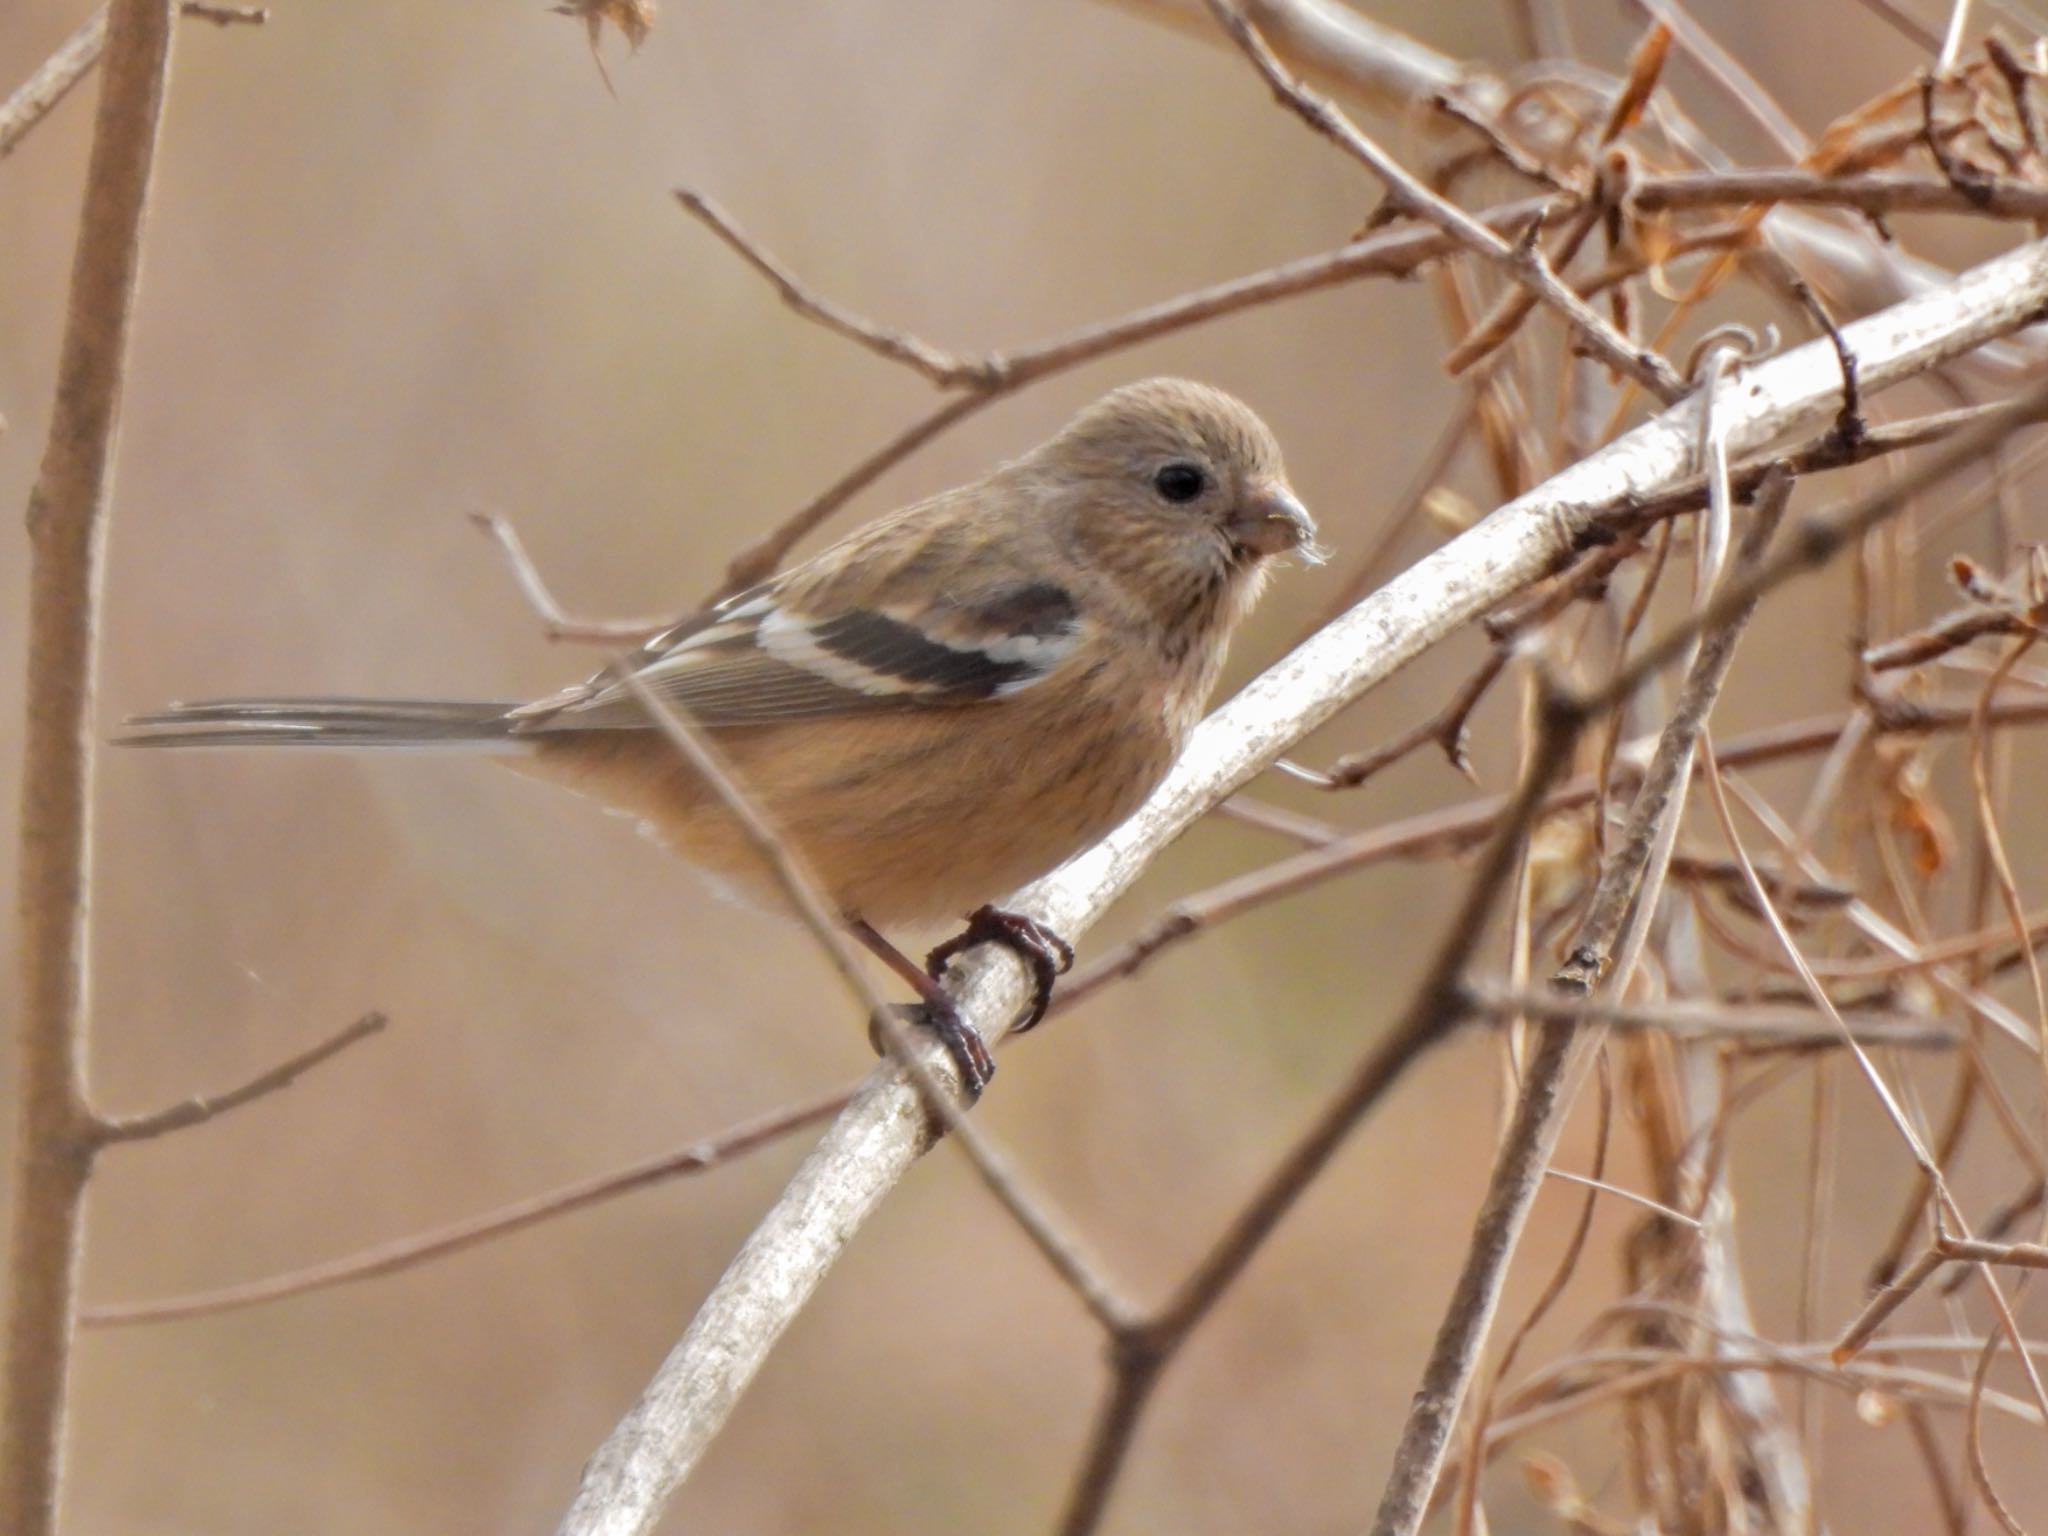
(940, 368)
(1458, 827)
(34, 98)
(1521, 261)
(1143, 1352)
(758, 560)
(1446, 728)
(1949, 632)
(1384, 253)
(422, 1247)
(202, 1108)
(1546, 1078)
(1757, 1026)
(225, 15)
(54, 1132)
(556, 623)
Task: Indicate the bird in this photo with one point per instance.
(942, 706)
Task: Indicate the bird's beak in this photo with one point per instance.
(1271, 521)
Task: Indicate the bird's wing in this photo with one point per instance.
(798, 649)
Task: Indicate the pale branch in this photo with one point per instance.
(1623, 875)
(1754, 1026)
(1457, 827)
(881, 1135)
(52, 81)
(557, 623)
(55, 1128)
(75, 57)
(1334, 43)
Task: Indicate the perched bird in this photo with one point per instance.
(936, 709)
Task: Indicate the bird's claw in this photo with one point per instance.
(1044, 953)
(962, 1040)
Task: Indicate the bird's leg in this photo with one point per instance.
(1044, 953)
(961, 1040)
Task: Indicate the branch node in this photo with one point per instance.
(201, 1108)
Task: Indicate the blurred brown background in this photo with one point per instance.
(409, 260)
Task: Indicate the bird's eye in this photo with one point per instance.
(1180, 482)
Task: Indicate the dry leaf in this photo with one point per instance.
(633, 18)
(1914, 813)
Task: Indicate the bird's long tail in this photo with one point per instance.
(355, 723)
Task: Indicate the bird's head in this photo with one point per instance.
(1179, 489)
(1183, 463)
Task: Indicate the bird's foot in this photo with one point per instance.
(961, 1039)
(1044, 953)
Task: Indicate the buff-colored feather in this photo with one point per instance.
(943, 705)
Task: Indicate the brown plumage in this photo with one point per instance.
(943, 705)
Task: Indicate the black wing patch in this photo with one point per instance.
(758, 662)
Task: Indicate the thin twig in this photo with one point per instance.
(74, 59)
(202, 1108)
(758, 560)
(1445, 728)
(1520, 261)
(1458, 827)
(55, 1129)
(557, 624)
(1632, 1196)
(1435, 1008)
(1758, 1026)
(34, 98)
(1950, 632)
(418, 1248)
(1384, 253)
(1544, 1095)
(940, 368)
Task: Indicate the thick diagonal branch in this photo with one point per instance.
(883, 1132)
